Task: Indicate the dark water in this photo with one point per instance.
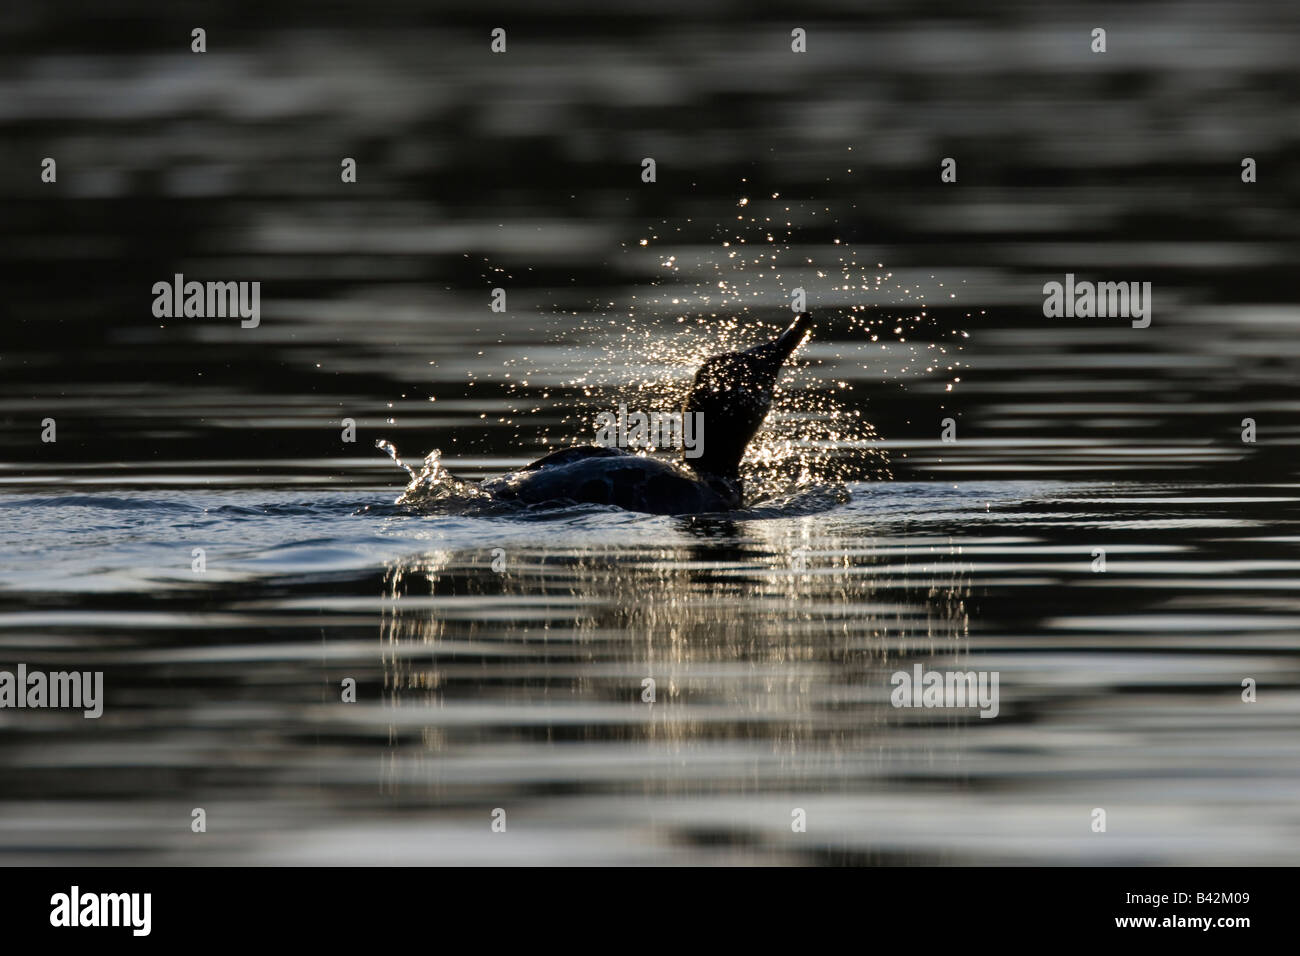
(499, 659)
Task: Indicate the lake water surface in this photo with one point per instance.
(500, 658)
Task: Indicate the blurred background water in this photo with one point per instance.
(770, 637)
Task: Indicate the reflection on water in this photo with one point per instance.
(744, 647)
(502, 663)
(500, 658)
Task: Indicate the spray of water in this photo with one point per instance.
(432, 483)
(726, 295)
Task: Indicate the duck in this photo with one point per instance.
(731, 393)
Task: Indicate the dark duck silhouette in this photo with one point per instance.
(732, 391)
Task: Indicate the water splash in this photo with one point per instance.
(726, 287)
(728, 295)
(432, 483)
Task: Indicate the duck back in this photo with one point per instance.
(594, 474)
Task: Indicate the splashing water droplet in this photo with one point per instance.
(432, 483)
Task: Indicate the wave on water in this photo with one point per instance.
(810, 500)
(433, 489)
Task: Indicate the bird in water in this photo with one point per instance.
(732, 392)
